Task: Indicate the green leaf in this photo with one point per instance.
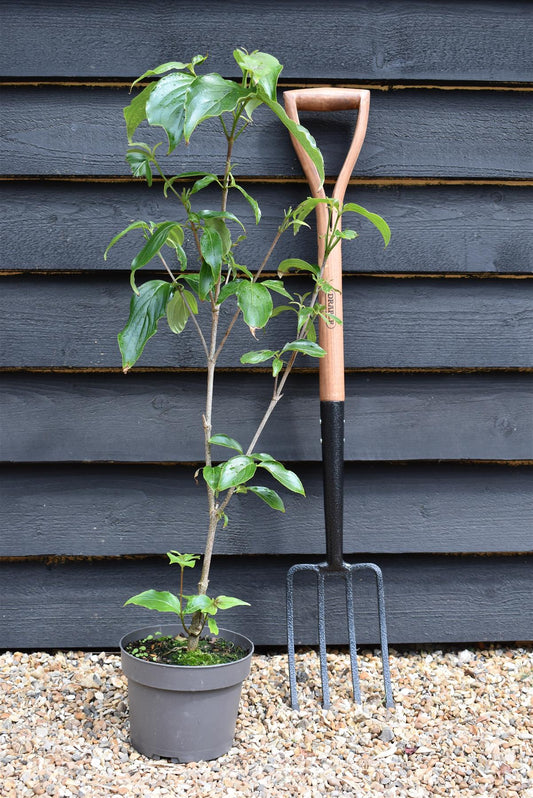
(269, 496)
(206, 280)
(140, 164)
(305, 347)
(257, 356)
(287, 478)
(253, 204)
(212, 248)
(225, 440)
(227, 290)
(135, 112)
(263, 69)
(197, 603)
(300, 133)
(298, 264)
(211, 95)
(277, 286)
(376, 220)
(225, 602)
(219, 226)
(183, 560)
(211, 475)
(166, 106)
(212, 624)
(154, 244)
(277, 365)
(177, 313)
(162, 601)
(256, 304)
(134, 226)
(146, 308)
(204, 181)
(178, 65)
(236, 471)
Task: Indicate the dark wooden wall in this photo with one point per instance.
(96, 467)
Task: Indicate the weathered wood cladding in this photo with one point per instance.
(390, 508)
(439, 229)
(96, 479)
(420, 323)
(81, 603)
(75, 130)
(340, 40)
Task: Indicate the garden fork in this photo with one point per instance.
(331, 377)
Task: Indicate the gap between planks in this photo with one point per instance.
(390, 85)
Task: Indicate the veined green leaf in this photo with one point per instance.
(206, 280)
(250, 200)
(146, 308)
(213, 627)
(162, 601)
(134, 226)
(305, 347)
(227, 290)
(277, 365)
(277, 286)
(140, 163)
(287, 478)
(212, 248)
(225, 602)
(298, 264)
(269, 496)
(200, 603)
(177, 313)
(236, 471)
(135, 112)
(204, 181)
(211, 474)
(300, 133)
(166, 106)
(376, 220)
(211, 95)
(183, 560)
(256, 304)
(263, 69)
(258, 356)
(220, 227)
(159, 237)
(225, 440)
(170, 65)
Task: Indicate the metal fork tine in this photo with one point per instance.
(351, 636)
(322, 638)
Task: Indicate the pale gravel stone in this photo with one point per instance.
(462, 727)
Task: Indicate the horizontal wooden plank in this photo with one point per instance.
(116, 510)
(379, 40)
(429, 600)
(54, 225)
(389, 323)
(156, 418)
(413, 133)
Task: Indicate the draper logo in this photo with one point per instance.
(330, 309)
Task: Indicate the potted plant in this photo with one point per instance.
(183, 694)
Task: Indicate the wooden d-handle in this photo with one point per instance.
(331, 336)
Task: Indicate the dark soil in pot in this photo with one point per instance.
(171, 650)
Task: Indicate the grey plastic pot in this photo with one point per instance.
(183, 712)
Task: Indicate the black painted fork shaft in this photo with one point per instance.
(332, 432)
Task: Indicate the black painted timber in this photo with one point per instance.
(80, 131)
(55, 225)
(116, 510)
(409, 323)
(430, 599)
(145, 417)
(487, 41)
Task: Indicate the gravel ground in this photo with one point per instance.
(462, 726)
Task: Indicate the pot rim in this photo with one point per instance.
(144, 630)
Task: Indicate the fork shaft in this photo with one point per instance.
(332, 430)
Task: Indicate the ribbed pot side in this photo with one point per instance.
(187, 713)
